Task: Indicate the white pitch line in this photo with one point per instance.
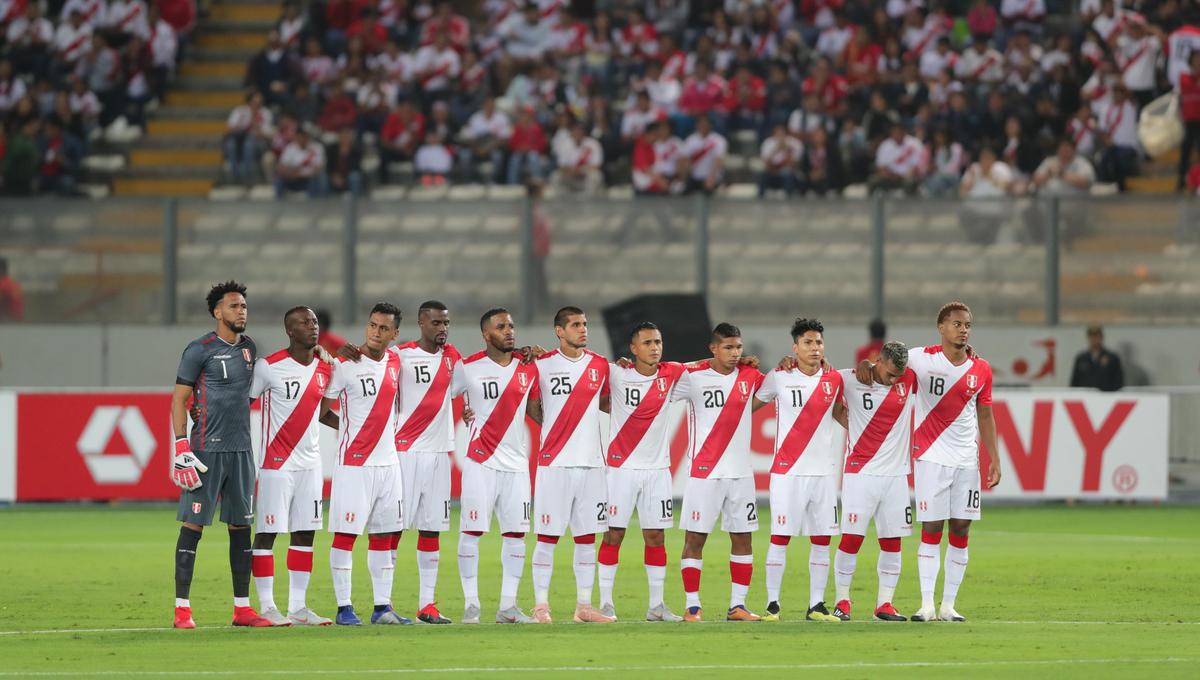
(1091, 537)
(611, 669)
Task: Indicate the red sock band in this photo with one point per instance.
(299, 560)
(262, 565)
(428, 543)
(586, 539)
(344, 541)
(889, 544)
(958, 541)
(473, 533)
(780, 540)
(740, 572)
(552, 540)
(608, 553)
(656, 556)
(819, 540)
(931, 538)
(514, 534)
(393, 541)
(691, 580)
(380, 543)
(850, 543)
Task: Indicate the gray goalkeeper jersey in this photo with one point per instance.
(220, 375)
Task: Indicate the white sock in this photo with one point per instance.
(241, 602)
(929, 558)
(737, 591)
(427, 572)
(844, 565)
(776, 564)
(956, 568)
(818, 573)
(585, 572)
(298, 579)
(265, 585)
(543, 569)
(512, 560)
(693, 598)
(656, 577)
(468, 567)
(888, 569)
(608, 576)
(182, 602)
(379, 563)
(341, 565)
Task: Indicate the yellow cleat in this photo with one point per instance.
(818, 612)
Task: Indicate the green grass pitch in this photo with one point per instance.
(1068, 592)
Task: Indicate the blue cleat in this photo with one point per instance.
(347, 617)
(389, 617)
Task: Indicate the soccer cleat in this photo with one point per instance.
(948, 614)
(513, 615)
(886, 612)
(276, 617)
(586, 613)
(609, 610)
(471, 614)
(818, 612)
(772, 611)
(247, 617)
(541, 614)
(740, 613)
(389, 617)
(430, 614)
(183, 618)
(924, 614)
(842, 610)
(693, 614)
(662, 613)
(346, 616)
(307, 617)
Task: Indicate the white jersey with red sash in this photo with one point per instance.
(880, 425)
(570, 390)
(498, 396)
(425, 421)
(945, 428)
(718, 419)
(640, 416)
(366, 394)
(290, 408)
(803, 421)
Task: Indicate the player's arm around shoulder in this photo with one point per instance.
(766, 391)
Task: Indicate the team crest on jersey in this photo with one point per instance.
(696, 515)
(546, 518)
(972, 381)
(594, 375)
(196, 508)
(781, 520)
(523, 380)
(394, 373)
(662, 384)
(474, 515)
(827, 388)
(901, 389)
(923, 505)
(449, 366)
(852, 518)
(350, 517)
(246, 354)
(320, 381)
(744, 387)
(269, 520)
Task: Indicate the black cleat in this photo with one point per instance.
(886, 612)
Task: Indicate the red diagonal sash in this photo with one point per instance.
(372, 428)
(572, 412)
(284, 443)
(948, 408)
(881, 424)
(797, 439)
(488, 438)
(718, 439)
(431, 404)
(639, 422)
(987, 63)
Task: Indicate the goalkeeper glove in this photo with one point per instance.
(185, 471)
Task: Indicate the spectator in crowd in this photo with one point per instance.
(21, 158)
(946, 161)
(1118, 137)
(301, 167)
(1189, 108)
(1065, 174)
(877, 331)
(61, 155)
(985, 182)
(248, 134)
(339, 111)
(30, 40)
(343, 164)
(898, 162)
(703, 157)
(433, 160)
(484, 138)
(274, 71)
(780, 154)
(526, 147)
(579, 163)
(1097, 367)
(656, 161)
(402, 133)
(12, 298)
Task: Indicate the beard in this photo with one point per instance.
(235, 326)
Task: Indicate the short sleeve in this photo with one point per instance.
(683, 388)
(769, 387)
(458, 379)
(190, 365)
(337, 381)
(262, 379)
(984, 398)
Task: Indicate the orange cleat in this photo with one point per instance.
(246, 616)
(693, 614)
(586, 613)
(183, 618)
(740, 613)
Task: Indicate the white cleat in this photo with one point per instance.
(662, 613)
(948, 614)
(513, 615)
(924, 614)
(307, 617)
(609, 610)
(276, 617)
(471, 614)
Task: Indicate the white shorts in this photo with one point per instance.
(426, 477)
(572, 497)
(733, 500)
(288, 500)
(945, 492)
(884, 499)
(366, 497)
(647, 490)
(486, 490)
(804, 505)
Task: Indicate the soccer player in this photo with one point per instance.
(495, 476)
(639, 465)
(215, 460)
(875, 480)
(291, 382)
(804, 479)
(719, 394)
(953, 412)
(367, 493)
(570, 490)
